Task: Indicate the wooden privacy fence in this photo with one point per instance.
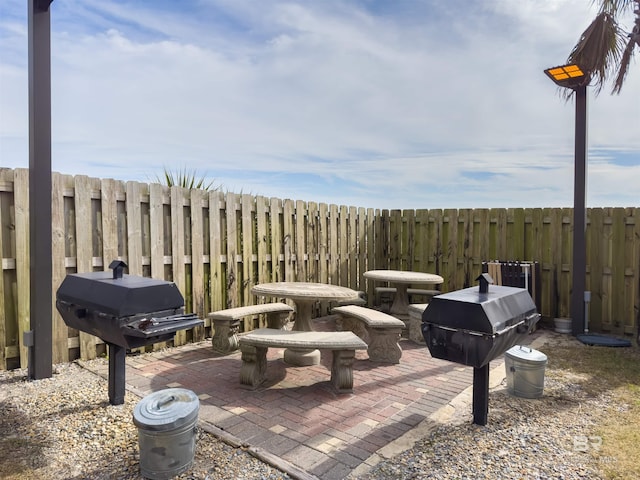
(215, 246)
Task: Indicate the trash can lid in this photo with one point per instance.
(526, 354)
(166, 409)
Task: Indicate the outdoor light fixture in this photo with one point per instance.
(574, 77)
(569, 76)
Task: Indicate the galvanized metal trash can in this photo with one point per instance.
(166, 432)
(525, 371)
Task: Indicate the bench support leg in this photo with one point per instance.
(350, 324)
(342, 370)
(277, 320)
(384, 346)
(301, 357)
(225, 336)
(254, 365)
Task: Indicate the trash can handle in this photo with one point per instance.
(166, 401)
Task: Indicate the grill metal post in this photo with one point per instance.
(481, 395)
(117, 356)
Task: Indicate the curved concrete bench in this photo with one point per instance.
(226, 323)
(254, 346)
(380, 331)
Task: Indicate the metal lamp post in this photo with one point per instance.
(573, 77)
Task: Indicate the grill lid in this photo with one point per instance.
(480, 311)
(120, 297)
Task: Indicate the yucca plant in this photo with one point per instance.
(186, 178)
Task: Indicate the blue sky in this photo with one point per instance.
(381, 104)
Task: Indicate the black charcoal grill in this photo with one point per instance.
(126, 311)
(473, 326)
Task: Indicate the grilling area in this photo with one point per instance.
(296, 418)
(296, 407)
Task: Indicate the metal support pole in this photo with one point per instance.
(117, 363)
(579, 214)
(40, 351)
(481, 395)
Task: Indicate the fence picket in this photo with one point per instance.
(21, 222)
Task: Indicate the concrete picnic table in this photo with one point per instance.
(401, 280)
(304, 295)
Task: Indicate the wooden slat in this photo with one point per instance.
(324, 255)
(156, 230)
(6, 185)
(61, 332)
(334, 249)
(217, 239)
(312, 242)
(407, 241)
(134, 229)
(109, 207)
(515, 242)
(248, 237)
(178, 249)
(632, 327)
(618, 271)
(248, 247)
(343, 246)
(233, 287)
(277, 240)
(463, 272)
(361, 226)
(157, 236)
(84, 246)
(450, 248)
(263, 240)
(595, 260)
(372, 216)
(395, 240)
(352, 245)
(288, 219)
(300, 248)
(21, 196)
(197, 264)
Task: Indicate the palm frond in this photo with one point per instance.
(623, 67)
(599, 49)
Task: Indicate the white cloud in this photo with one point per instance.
(424, 102)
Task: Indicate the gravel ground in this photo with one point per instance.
(553, 437)
(64, 428)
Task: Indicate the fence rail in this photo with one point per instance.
(216, 246)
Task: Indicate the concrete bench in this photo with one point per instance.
(254, 346)
(412, 292)
(226, 323)
(384, 296)
(379, 330)
(415, 321)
